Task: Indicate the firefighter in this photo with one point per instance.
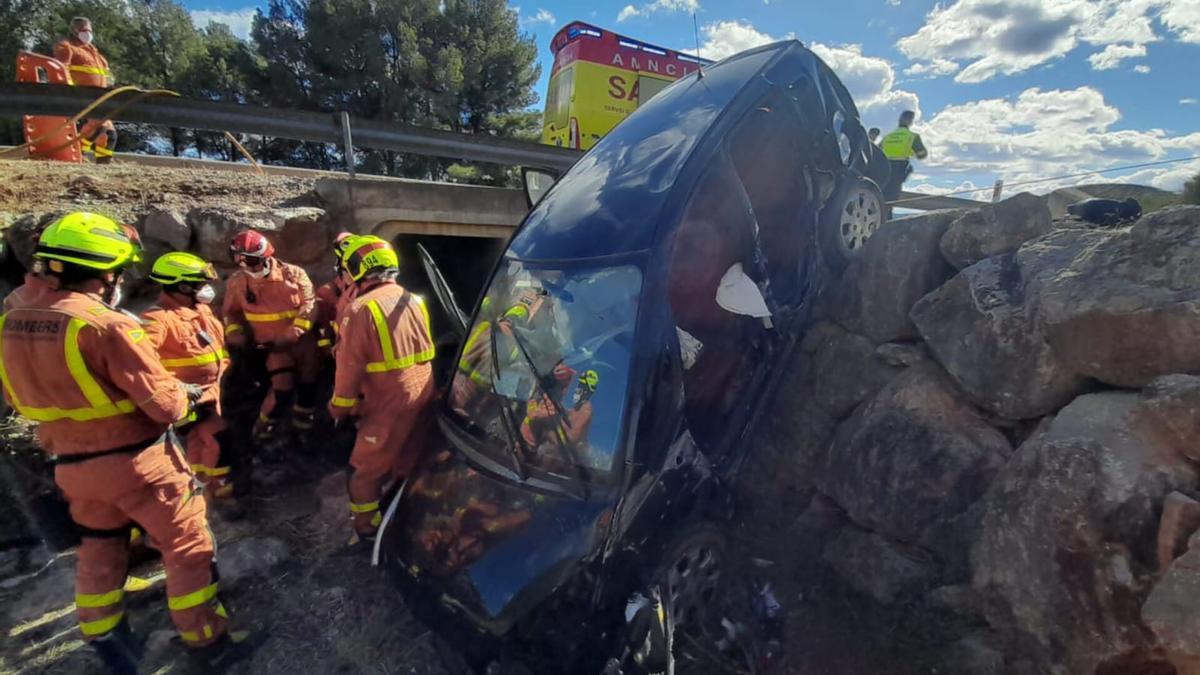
(89, 376)
(383, 376)
(88, 68)
(191, 343)
(331, 297)
(269, 305)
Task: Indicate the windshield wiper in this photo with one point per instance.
(560, 421)
(510, 433)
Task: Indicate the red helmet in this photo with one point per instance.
(250, 244)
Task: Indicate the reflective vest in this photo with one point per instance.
(898, 144)
(190, 341)
(86, 65)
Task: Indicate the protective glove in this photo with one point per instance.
(194, 392)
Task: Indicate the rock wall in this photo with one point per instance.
(1005, 409)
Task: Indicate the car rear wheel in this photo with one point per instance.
(851, 217)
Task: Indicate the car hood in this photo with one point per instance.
(485, 547)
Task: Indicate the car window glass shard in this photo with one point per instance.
(739, 294)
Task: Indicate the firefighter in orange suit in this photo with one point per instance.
(384, 377)
(269, 304)
(88, 68)
(105, 403)
(191, 343)
(332, 297)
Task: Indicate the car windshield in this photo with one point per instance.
(544, 372)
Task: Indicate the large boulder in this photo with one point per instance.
(911, 463)
(166, 228)
(896, 267)
(1171, 410)
(980, 327)
(1124, 309)
(1172, 610)
(1066, 545)
(884, 570)
(298, 233)
(995, 229)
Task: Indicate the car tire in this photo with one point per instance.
(690, 571)
(852, 215)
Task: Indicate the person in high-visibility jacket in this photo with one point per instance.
(104, 403)
(383, 376)
(269, 305)
(191, 343)
(900, 147)
(88, 68)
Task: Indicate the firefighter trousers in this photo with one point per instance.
(388, 444)
(204, 455)
(154, 489)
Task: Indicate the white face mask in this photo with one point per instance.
(85, 37)
(117, 294)
(259, 273)
(206, 294)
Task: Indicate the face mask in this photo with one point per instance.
(206, 294)
(258, 273)
(85, 37)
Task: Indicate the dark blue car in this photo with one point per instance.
(611, 374)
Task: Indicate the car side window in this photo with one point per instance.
(767, 149)
(719, 336)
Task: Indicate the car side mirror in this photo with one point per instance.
(537, 183)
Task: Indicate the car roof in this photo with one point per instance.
(609, 202)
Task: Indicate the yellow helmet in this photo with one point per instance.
(179, 267)
(87, 240)
(364, 254)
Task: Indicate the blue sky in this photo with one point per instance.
(1012, 89)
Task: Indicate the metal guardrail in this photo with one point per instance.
(38, 99)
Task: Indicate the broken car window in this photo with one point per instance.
(545, 368)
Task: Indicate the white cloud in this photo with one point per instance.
(726, 38)
(1142, 69)
(1041, 134)
(1188, 101)
(934, 68)
(894, 3)
(542, 16)
(667, 6)
(1003, 38)
(240, 21)
(1112, 56)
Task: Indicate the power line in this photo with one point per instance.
(1055, 178)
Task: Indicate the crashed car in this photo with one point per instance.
(609, 380)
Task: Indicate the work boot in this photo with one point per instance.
(120, 650)
(264, 429)
(359, 545)
(234, 646)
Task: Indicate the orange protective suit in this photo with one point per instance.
(383, 377)
(277, 313)
(191, 343)
(93, 380)
(29, 292)
(332, 298)
(88, 68)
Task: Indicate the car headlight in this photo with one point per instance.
(839, 123)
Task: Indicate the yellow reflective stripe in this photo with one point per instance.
(302, 323)
(95, 600)
(390, 362)
(85, 145)
(277, 316)
(90, 70)
(200, 469)
(189, 636)
(205, 358)
(343, 402)
(376, 519)
(193, 599)
(233, 328)
(101, 626)
(364, 508)
(103, 152)
(385, 333)
(78, 368)
(77, 414)
(220, 471)
(221, 611)
(324, 342)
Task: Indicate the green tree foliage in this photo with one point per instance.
(1191, 190)
(460, 65)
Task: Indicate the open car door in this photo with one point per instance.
(458, 319)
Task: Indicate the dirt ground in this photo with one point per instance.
(124, 190)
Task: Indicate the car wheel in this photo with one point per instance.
(690, 575)
(851, 216)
